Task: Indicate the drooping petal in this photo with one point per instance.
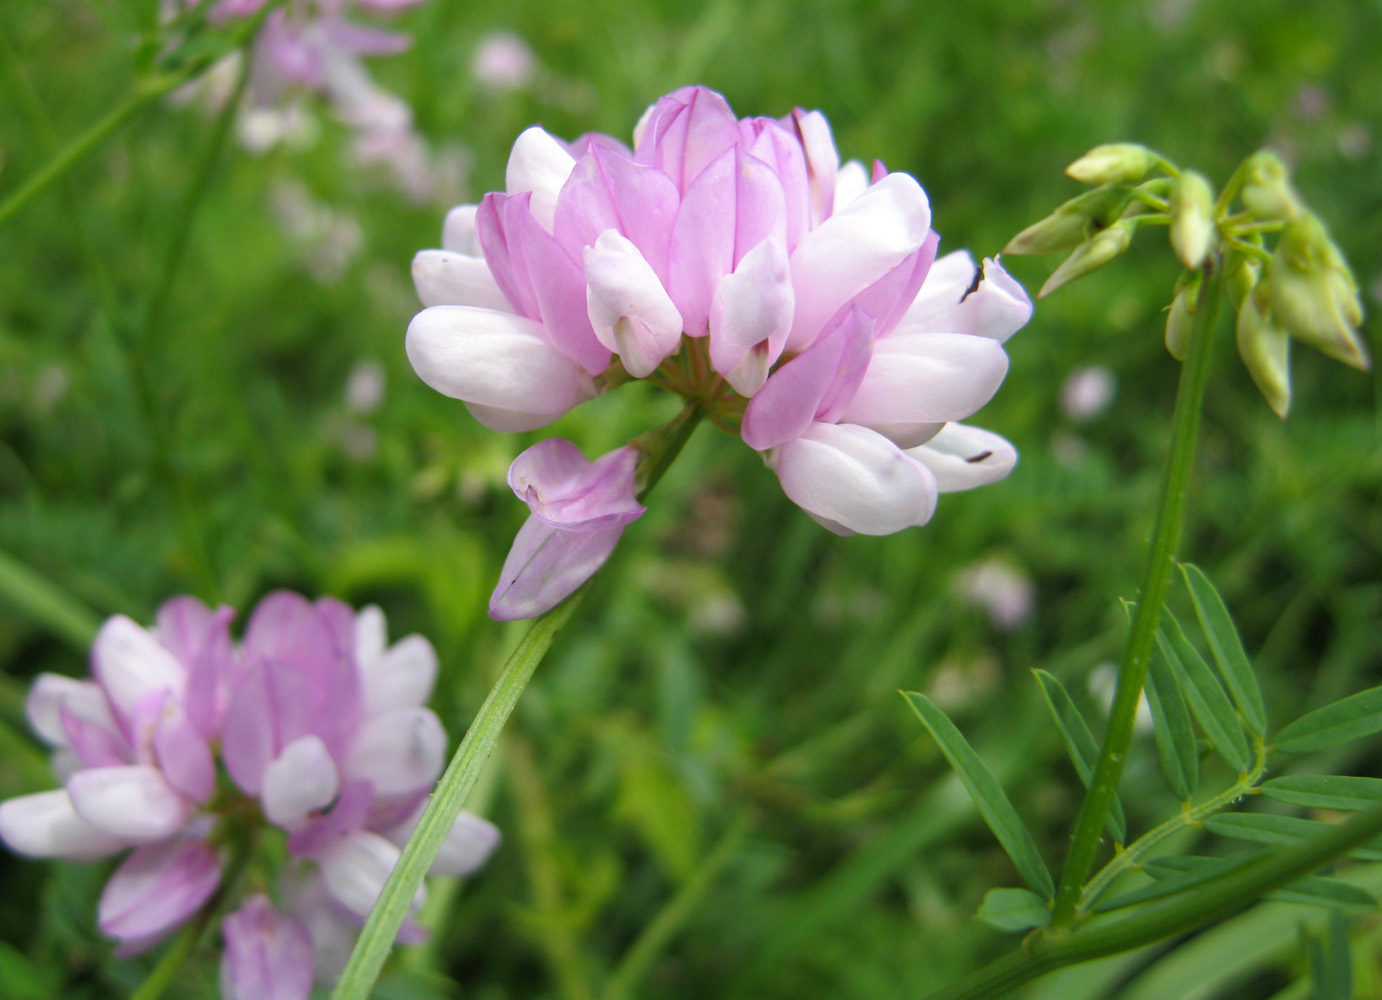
(854, 248)
(538, 163)
(129, 663)
(400, 678)
(927, 378)
(444, 278)
(45, 825)
(545, 565)
(852, 479)
(268, 954)
(133, 802)
(963, 457)
(564, 489)
(399, 752)
(751, 316)
(498, 363)
(157, 888)
(355, 869)
(300, 780)
(815, 385)
(991, 304)
(629, 309)
(52, 693)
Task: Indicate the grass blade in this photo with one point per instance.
(988, 795)
(1206, 696)
(1014, 910)
(1227, 648)
(1175, 739)
(1347, 719)
(1079, 743)
(1316, 890)
(1270, 828)
(1325, 791)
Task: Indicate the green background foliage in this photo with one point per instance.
(731, 678)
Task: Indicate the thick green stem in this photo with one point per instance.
(46, 604)
(1132, 672)
(372, 948)
(1166, 918)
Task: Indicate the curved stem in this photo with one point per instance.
(1132, 671)
(659, 448)
(1166, 918)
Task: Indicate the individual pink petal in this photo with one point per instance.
(300, 780)
(268, 954)
(822, 161)
(157, 888)
(782, 151)
(95, 744)
(560, 294)
(355, 869)
(889, 298)
(963, 457)
(684, 131)
(992, 305)
(540, 164)
(852, 479)
(629, 309)
(133, 802)
(562, 488)
(443, 278)
(927, 377)
(358, 40)
(545, 566)
(702, 246)
(183, 755)
(496, 230)
(200, 639)
(129, 663)
(51, 694)
(854, 248)
(608, 190)
(814, 385)
(348, 815)
(399, 752)
(751, 316)
(498, 363)
(45, 825)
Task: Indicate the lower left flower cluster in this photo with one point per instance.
(301, 755)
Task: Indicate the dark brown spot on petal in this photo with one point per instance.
(979, 457)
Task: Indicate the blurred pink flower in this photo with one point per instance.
(503, 61)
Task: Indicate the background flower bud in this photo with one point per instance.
(1192, 219)
(1182, 314)
(1267, 192)
(1115, 163)
(1074, 222)
(1265, 350)
(1313, 296)
(1091, 256)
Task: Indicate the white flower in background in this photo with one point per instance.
(1087, 392)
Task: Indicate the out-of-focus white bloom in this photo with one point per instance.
(1001, 589)
(1102, 680)
(503, 61)
(1087, 392)
(364, 389)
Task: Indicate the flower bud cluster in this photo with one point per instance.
(307, 742)
(792, 298)
(1301, 290)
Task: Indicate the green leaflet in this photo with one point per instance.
(1206, 696)
(1347, 719)
(1175, 739)
(988, 795)
(1014, 910)
(1325, 791)
(1079, 744)
(1271, 828)
(1227, 648)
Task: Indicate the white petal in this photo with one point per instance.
(631, 312)
(399, 752)
(401, 678)
(371, 635)
(540, 164)
(751, 316)
(52, 693)
(355, 871)
(47, 826)
(854, 248)
(851, 181)
(497, 361)
(853, 478)
(458, 231)
(444, 278)
(927, 377)
(963, 457)
(301, 779)
(946, 283)
(130, 663)
(996, 308)
(133, 802)
(468, 845)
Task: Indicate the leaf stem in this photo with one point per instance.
(1132, 671)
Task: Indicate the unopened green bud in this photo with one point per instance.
(1192, 219)
(1181, 317)
(1265, 350)
(1072, 223)
(1116, 163)
(1240, 278)
(1313, 296)
(1104, 247)
(1267, 192)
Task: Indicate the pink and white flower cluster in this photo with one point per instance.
(739, 263)
(186, 743)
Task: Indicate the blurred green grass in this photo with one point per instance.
(734, 659)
